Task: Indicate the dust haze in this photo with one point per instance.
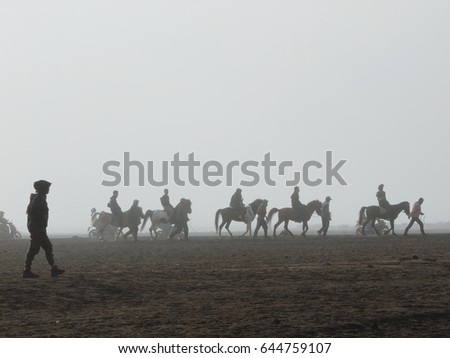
(82, 83)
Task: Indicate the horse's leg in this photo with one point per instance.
(227, 227)
(152, 229)
(374, 227)
(275, 228)
(286, 223)
(101, 234)
(392, 228)
(173, 232)
(364, 226)
(186, 231)
(246, 231)
(120, 231)
(221, 227)
(305, 228)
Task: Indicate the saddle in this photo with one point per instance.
(298, 211)
(240, 212)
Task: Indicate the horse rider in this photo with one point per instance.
(237, 203)
(415, 216)
(261, 212)
(165, 202)
(326, 217)
(382, 201)
(134, 220)
(3, 221)
(116, 211)
(297, 206)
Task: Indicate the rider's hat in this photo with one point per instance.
(296, 188)
(238, 190)
(41, 185)
(381, 186)
(327, 198)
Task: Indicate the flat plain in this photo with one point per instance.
(337, 286)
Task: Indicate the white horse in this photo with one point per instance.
(229, 214)
(159, 223)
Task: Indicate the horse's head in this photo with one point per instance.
(405, 207)
(314, 205)
(186, 205)
(255, 205)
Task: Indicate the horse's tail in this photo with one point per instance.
(361, 215)
(148, 214)
(216, 221)
(271, 212)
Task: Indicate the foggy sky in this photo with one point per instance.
(83, 82)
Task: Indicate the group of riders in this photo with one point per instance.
(135, 213)
(7, 229)
(237, 203)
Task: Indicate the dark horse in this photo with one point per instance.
(286, 214)
(229, 215)
(374, 212)
(180, 218)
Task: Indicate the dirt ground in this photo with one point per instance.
(341, 286)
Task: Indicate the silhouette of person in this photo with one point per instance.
(237, 204)
(297, 206)
(37, 215)
(4, 227)
(116, 210)
(3, 221)
(165, 202)
(381, 196)
(134, 219)
(415, 216)
(261, 212)
(326, 217)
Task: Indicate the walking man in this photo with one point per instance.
(261, 212)
(134, 218)
(415, 216)
(326, 217)
(37, 212)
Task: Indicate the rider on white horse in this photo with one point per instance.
(165, 202)
(116, 210)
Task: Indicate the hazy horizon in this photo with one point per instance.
(82, 83)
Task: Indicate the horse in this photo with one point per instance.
(286, 214)
(104, 220)
(180, 218)
(229, 214)
(373, 212)
(159, 220)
